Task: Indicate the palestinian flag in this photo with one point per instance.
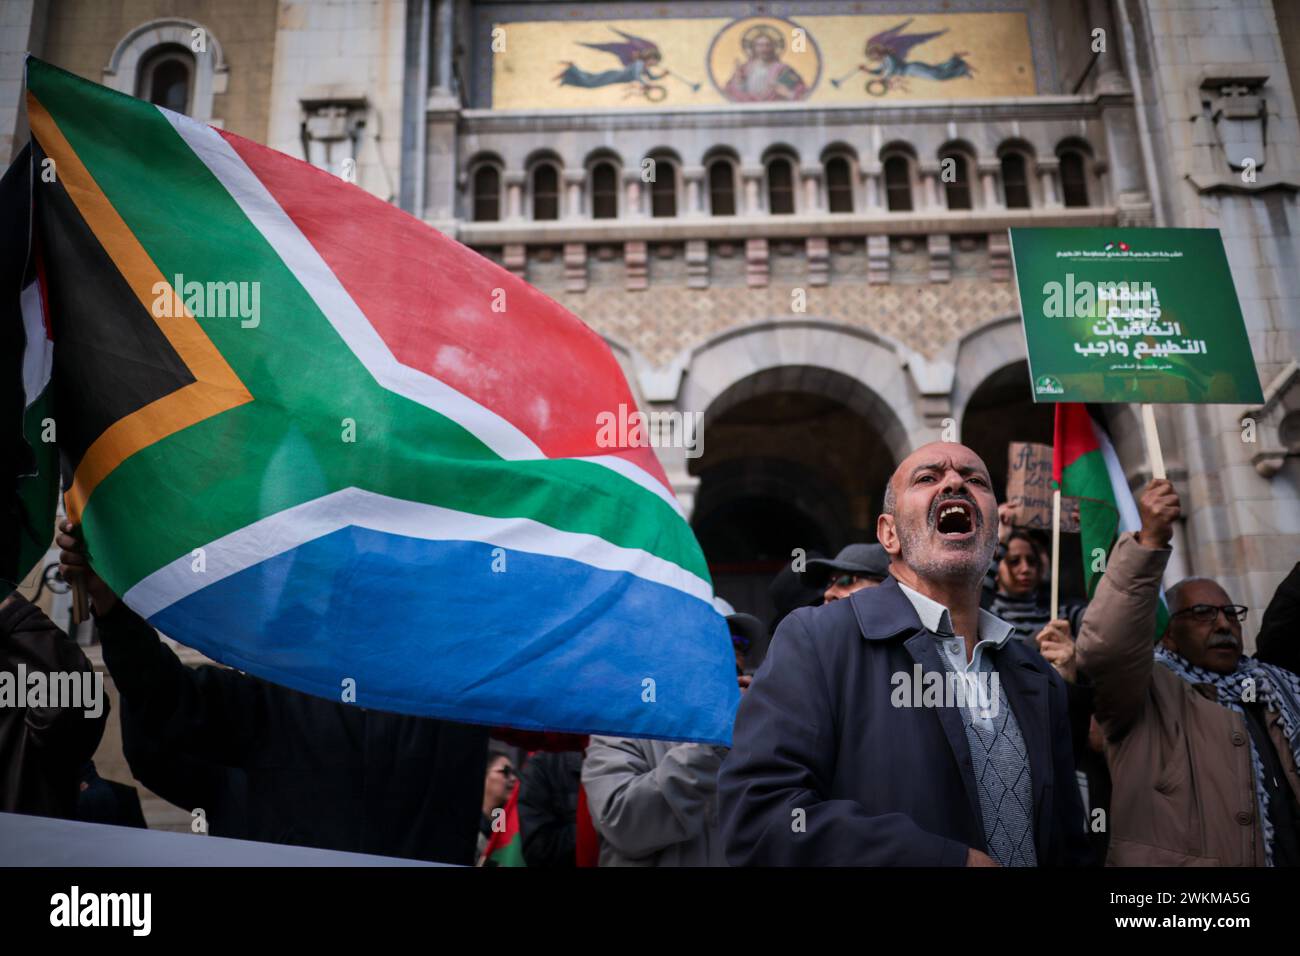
(32, 471)
(1085, 466)
(506, 847)
(321, 442)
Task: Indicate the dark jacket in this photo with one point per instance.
(268, 763)
(548, 809)
(42, 749)
(1279, 634)
(878, 784)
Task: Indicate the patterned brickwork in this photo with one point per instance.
(662, 321)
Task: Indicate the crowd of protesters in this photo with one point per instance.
(1132, 729)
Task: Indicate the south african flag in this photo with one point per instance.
(321, 442)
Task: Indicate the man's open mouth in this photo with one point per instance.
(956, 519)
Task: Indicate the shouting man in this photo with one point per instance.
(902, 725)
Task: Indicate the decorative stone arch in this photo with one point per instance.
(961, 149)
(1024, 150)
(1094, 169)
(836, 153)
(631, 363)
(538, 160)
(467, 181)
(816, 356)
(597, 158)
(898, 150)
(981, 354)
(211, 74)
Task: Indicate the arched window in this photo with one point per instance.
(898, 184)
(780, 187)
(1015, 181)
(1074, 181)
(722, 188)
(604, 191)
(487, 194)
(546, 192)
(663, 191)
(839, 185)
(166, 78)
(954, 173)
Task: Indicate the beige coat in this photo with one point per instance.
(1183, 788)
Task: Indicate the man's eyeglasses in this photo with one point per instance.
(845, 580)
(1205, 613)
(507, 772)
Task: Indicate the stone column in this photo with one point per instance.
(1108, 73)
(514, 194)
(1129, 190)
(443, 43)
(573, 183)
(632, 195)
(442, 114)
(811, 174)
(930, 186)
(752, 176)
(693, 177)
(989, 170)
(1049, 172)
(871, 196)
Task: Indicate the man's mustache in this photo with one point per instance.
(1223, 639)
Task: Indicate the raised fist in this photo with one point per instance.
(1159, 508)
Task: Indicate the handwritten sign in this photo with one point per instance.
(1132, 315)
(1029, 484)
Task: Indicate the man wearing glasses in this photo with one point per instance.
(857, 566)
(1202, 741)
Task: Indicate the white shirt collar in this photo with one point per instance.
(936, 619)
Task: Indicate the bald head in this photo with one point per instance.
(939, 519)
(1189, 591)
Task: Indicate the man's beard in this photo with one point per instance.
(935, 561)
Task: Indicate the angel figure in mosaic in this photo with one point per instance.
(888, 66)
(638, 58)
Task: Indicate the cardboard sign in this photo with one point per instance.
(1132, 315)
(1029, 482)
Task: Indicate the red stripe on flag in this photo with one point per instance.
(42, 286)
(431, 300)
(1073, 437)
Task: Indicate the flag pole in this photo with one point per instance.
(80, 604)
(1056, 552)
(1154, 454)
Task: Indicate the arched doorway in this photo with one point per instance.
(1001, 411)
(793, 458)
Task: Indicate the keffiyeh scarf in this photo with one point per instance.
(1278, 689)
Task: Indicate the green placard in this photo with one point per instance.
(1132, 315)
